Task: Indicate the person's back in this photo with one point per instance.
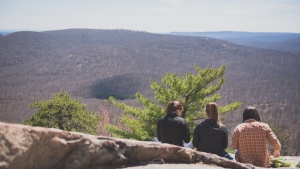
(211, 135)
(173, 129)
(210, 138)
(250, 139)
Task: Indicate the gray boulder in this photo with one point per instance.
(27, 147)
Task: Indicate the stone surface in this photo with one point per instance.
(26, 147)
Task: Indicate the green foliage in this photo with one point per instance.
(65, 113)
(229, 150)
(195, 90)
(279, 162)
(140, 123)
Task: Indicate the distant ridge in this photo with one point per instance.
(266, 40)
(3, 33)
(9, 31)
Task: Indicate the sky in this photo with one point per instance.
(155, 16)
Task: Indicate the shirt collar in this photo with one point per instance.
(249, 121)
(174, 114)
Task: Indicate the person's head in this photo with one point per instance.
(212, 112)
(174, 106)
(251, 113)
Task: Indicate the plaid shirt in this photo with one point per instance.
(250, 139)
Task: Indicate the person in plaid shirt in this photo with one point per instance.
(250, 140)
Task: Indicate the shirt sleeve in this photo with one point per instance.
(196, 137)
(271, 137)
(235, 139)
(158, 130)
(186, 133)
(225, 142)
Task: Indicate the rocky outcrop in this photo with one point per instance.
(26, 147)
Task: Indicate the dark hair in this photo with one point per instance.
(173, 106)
(251, 113)
(212, 112)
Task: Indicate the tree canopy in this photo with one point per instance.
(65, 113)
(195, 90)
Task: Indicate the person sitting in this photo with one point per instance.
(250, 140)
(211, 135)
(172, 128)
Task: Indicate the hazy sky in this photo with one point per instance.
(160, 16)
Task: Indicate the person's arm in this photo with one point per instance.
(196, 137)
(235, 139)
(158, 130)
(271, 137)
(186, 133)
(225, 142)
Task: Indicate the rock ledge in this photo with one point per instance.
(27, 147)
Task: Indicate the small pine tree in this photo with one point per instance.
(65, 113)
(195, 90)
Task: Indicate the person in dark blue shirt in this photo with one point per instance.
(172, 128)
(211, 135)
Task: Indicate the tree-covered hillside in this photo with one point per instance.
(95, 64)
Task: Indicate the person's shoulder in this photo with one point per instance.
(205, 121)
(160, 119)
(223, 127)
(264, 125)
(240, 126)
(258, 123)
(180, 119)
(203, 124)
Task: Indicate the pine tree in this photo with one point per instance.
(195, 90)
(65, 113)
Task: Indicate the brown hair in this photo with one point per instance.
(251, 113)
(212, 112)
(173, 106)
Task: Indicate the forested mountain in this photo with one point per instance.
(94, 64)
(289, 42)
